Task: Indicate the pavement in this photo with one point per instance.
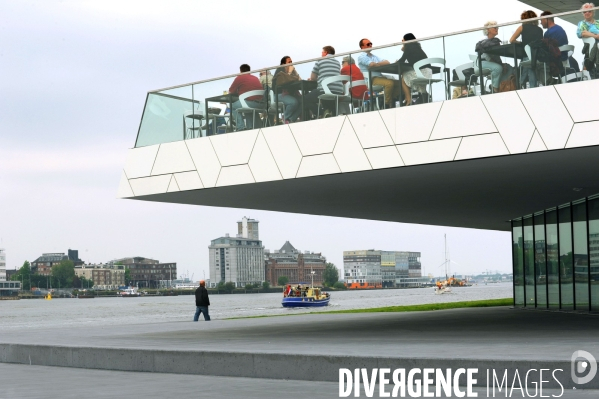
(312, 347)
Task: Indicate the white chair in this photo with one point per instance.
(246, 109)
(330, 96)
(566, 64)
(360, 101)
(486, 73)
(378, 92)
(423, 80)
(461, 82)
(272, 107)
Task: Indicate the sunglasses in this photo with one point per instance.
(368, 44)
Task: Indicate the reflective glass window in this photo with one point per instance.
(565, 259)
(518, 253)
(552, 259)
(593, 207)
(540, 265)
(580, 258)
(529, 266)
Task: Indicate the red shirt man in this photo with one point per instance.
(354, 72)
(245, 83)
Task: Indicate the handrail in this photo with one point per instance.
(373, 48)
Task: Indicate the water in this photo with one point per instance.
(39, 313)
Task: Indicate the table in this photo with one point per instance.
(301, 85)
(511, 50)
(229, 98)
(396, 68)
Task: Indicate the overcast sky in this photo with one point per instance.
(73, 81)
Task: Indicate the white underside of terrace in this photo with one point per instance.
(449, 151)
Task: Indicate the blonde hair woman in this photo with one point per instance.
(499, 71)
(589, 27)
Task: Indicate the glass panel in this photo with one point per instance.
(162, 120)
(565, 259)
(518, 262)
(593, 206)
(529, 265)
(540, 265)
(581, 259)
(552, 260)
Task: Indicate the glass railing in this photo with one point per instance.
(367, 80)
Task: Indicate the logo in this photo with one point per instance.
(583, 362)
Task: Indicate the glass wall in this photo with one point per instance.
(518, 255)
(540, 261)
(372, 78)
(529, 263)
(556, 257)
(553, 294)
(593, 217)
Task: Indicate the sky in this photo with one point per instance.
(74, 77)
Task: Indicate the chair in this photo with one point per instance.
(272, 107)
(378, 92)
(361, 101)
(592, 43)
(566, 63)
(486, 73)
(245, 108)
(423, 80)
(330, 96)
(192, 128)
(461, 82)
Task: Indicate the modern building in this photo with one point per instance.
(145, 272)
(2, 264)
(237, 260)
(375, 269)
(523, 161)
(105, 276)
(43, 264)
(248, 228)
(10, 288)
(362, 269)
(294, 264)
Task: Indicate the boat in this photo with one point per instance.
(129, 292)
(305, 297)
(444, 287)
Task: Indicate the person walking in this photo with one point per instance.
(202, 302)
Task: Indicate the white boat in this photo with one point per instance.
(129, 292)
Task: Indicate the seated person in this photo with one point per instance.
(348, 68)
(412, 53)
(243, 84)
(530, 31)
(368, 60)
(287, 74)
(589, 27)
(499, 71)
(326, 67)
(266, 79)
(554, 32)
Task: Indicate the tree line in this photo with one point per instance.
(61, 276)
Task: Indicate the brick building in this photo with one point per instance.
(294, 265)
(145, 272)
(104, 276)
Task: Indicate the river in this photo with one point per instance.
(39, 313)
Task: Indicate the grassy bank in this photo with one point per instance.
(409, 308)
(432, 306)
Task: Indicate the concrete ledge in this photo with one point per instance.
(265, 365)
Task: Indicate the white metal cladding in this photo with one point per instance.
(541, 119)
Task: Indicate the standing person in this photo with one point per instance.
(589, 27)
(368, 60)
(286, 74)
(530, 31)
(202, 302)
(243, 84)
(326, 67)
(412, 53)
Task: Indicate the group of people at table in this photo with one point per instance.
(329, 66)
